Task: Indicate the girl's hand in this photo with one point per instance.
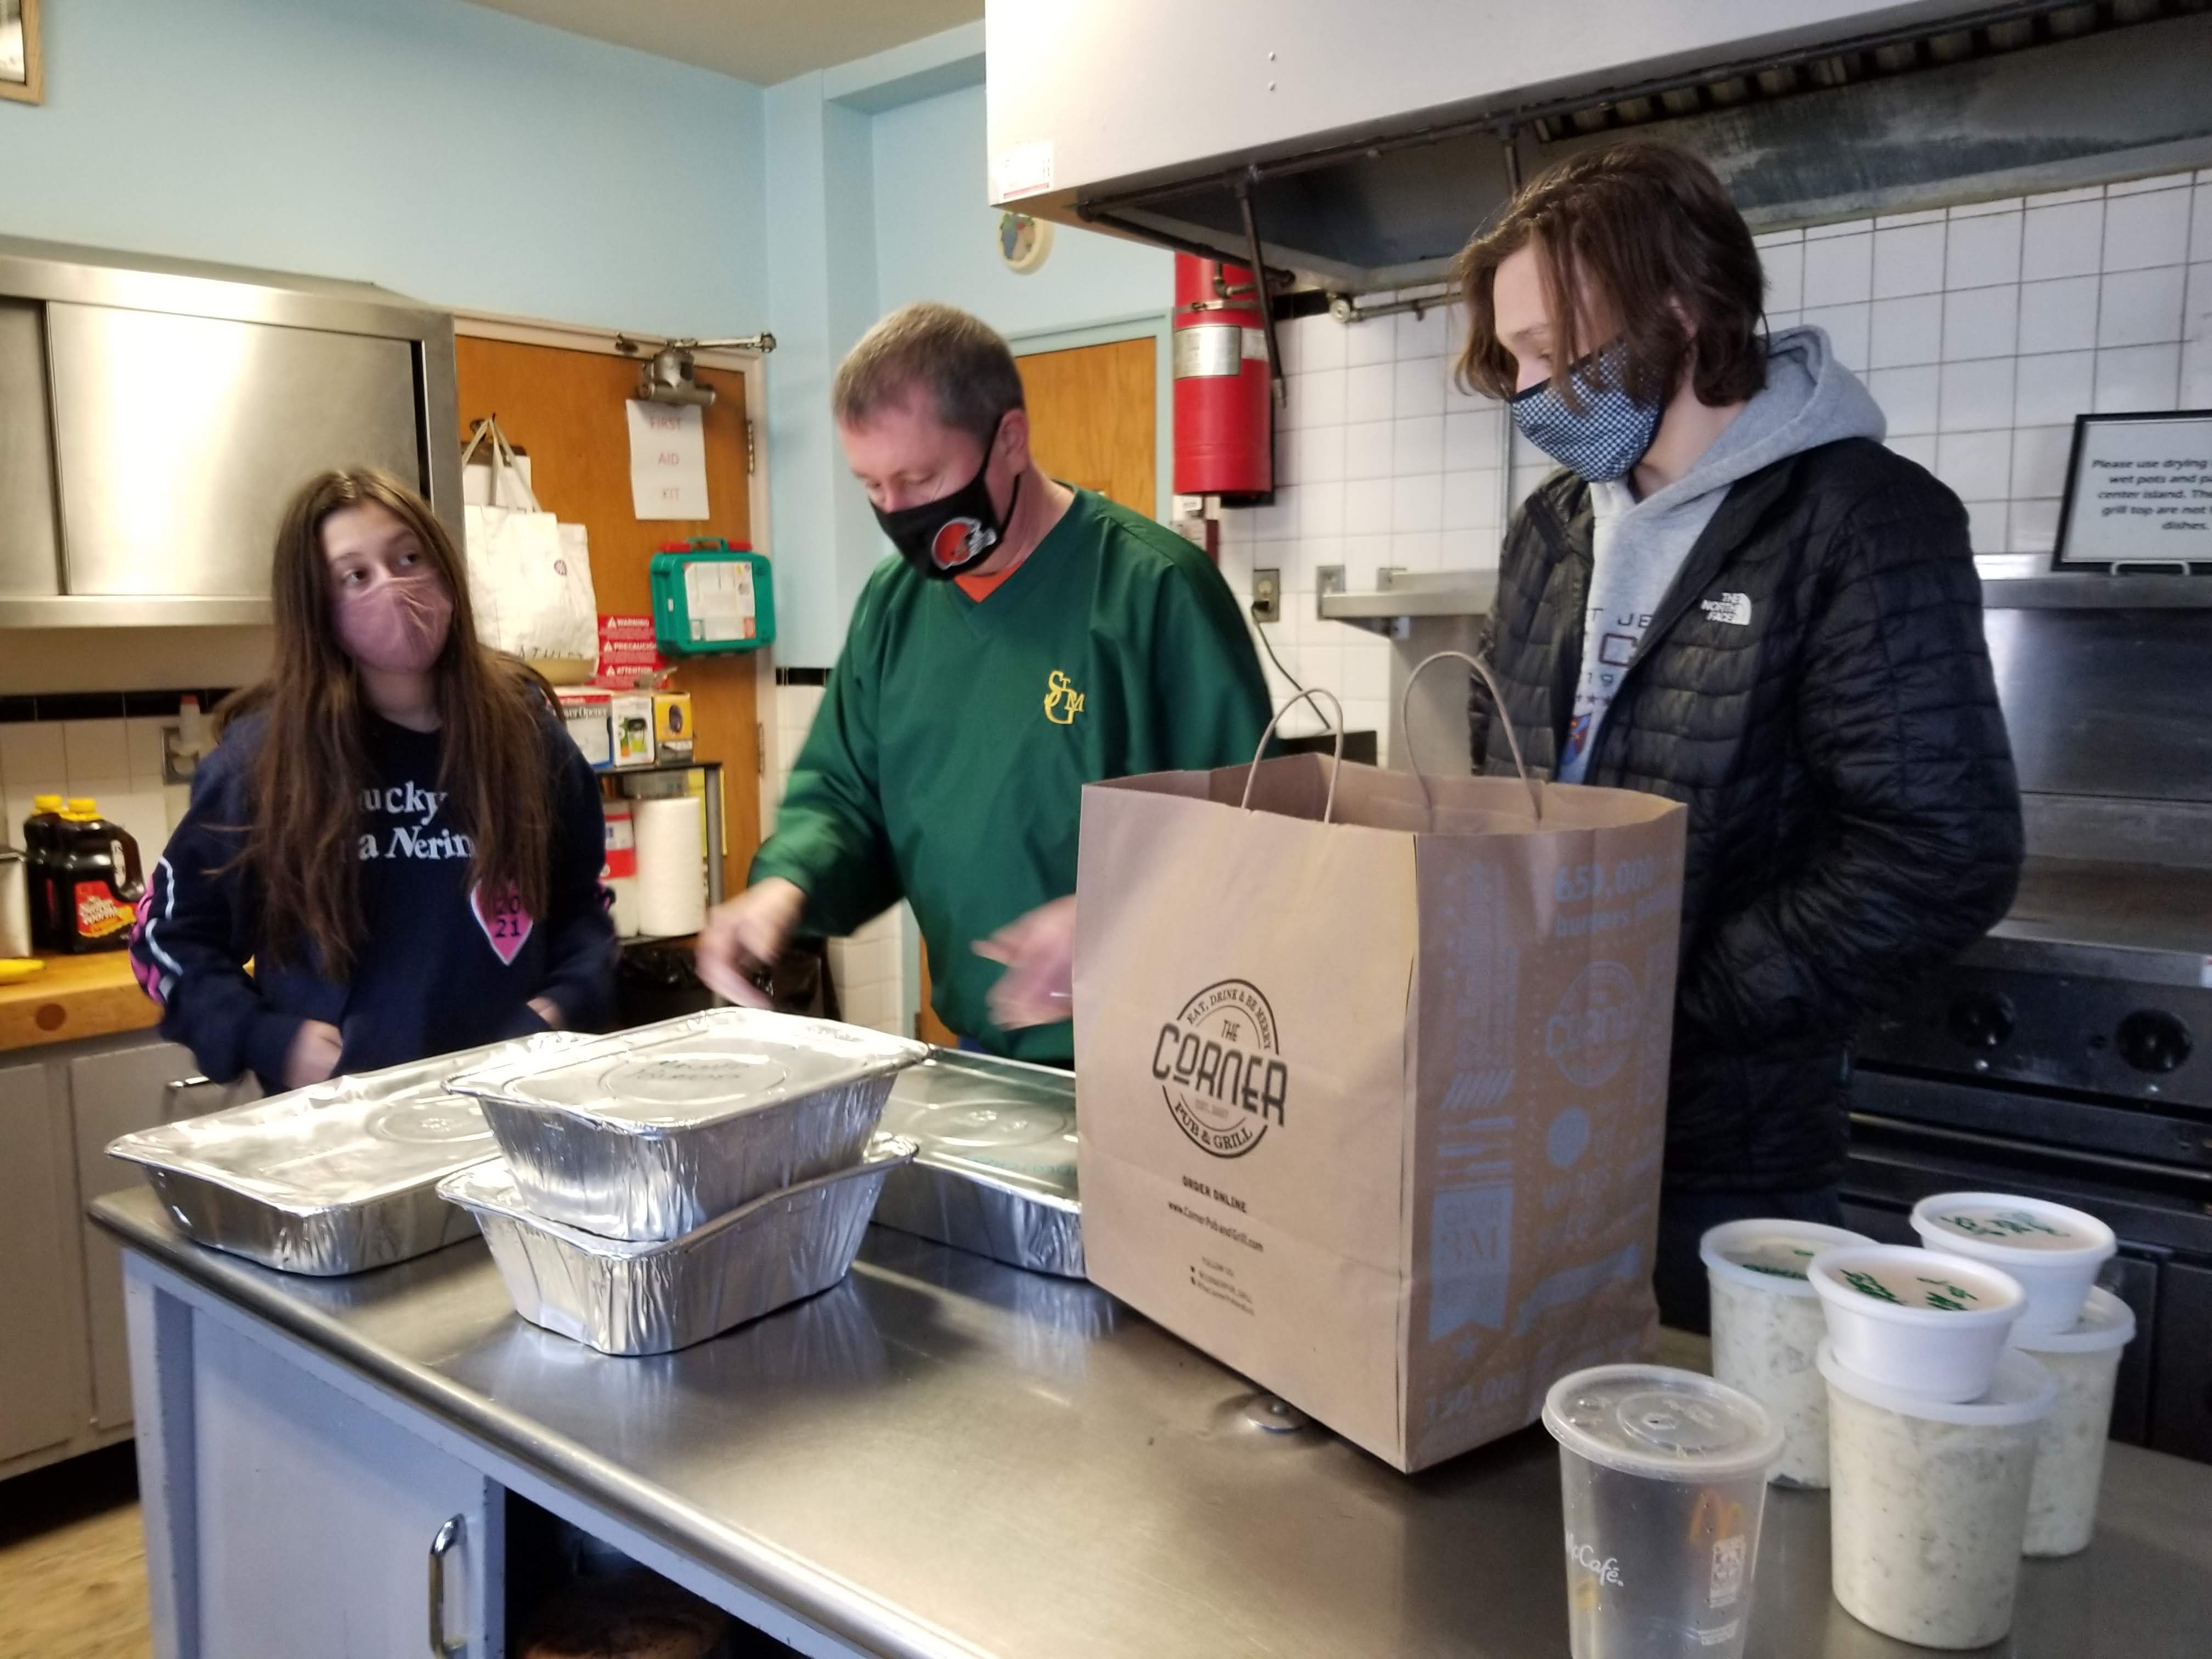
(548, 1010)
(314, 1054)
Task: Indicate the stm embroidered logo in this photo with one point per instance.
(1062, 701)
(1731, 608)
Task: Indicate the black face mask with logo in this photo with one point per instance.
(953, 534)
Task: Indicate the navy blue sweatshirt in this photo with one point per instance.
(435, 970)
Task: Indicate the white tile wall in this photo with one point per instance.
(116, 761)
(1983, 331)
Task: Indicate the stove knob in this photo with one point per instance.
(2151, 1040)
(1982, 1019)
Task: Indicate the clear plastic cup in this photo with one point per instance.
(1928, 1502)
(1662, 1475)
(2054, 1252)
(2070, 1460)
(1768, 1326)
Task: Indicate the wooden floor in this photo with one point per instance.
(72, 1569)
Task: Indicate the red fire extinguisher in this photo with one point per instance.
(1223, 396)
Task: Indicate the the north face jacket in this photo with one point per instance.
(1815, 687)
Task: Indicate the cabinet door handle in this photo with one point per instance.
(448, 1535)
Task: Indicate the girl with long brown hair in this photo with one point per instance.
(394, 850)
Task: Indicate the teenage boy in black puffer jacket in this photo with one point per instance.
(1733, 595)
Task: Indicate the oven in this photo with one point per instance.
(2068, 1053)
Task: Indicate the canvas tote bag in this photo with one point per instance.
(1371, 1076)
(529, 577)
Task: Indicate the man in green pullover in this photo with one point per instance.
(1029, 639)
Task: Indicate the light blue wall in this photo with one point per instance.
(937, 234)
(447, 151)
(874, 202)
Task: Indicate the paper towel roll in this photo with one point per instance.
(671, 865)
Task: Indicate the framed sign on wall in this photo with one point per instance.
(2138, 493)
(19, 51)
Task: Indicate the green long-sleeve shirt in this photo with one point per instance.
(947, 763)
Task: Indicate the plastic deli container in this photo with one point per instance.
(1663, 1478)
(1930, 1324)
(2054, 1252)
(1767, 1327)
(2069, 1463)
(1928, 1502)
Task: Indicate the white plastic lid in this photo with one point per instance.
(1655, 1420)
(2106, 1322)
(2021, 1392)
(1998, 1226)
(1898, 1283)
(1772, 1255)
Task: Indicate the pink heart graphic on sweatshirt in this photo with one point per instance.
(506, 924)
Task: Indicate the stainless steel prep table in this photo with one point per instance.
(947, 1455)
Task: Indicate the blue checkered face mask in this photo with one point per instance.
(1608, 435)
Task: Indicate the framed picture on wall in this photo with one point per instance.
(2138, 493)
(19, 51)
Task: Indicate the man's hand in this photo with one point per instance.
(1037, 988)
(745, 936)
(314, 1054)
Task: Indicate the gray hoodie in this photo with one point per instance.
(1639, 547)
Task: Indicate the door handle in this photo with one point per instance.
(448, 1535)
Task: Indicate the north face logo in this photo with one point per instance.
(1732, 608)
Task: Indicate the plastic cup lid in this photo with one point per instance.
(1903, 1286)
(2022, 1391)
(2106, 1322)
(2001, 1226)
(1772, 1255)
(1655, 1420)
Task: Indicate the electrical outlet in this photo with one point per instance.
(1267, 596)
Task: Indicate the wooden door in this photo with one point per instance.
(566, 408)
(1094, 419)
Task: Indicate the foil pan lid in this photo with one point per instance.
(991, 1119)
(344, 1142)
(697, 1069)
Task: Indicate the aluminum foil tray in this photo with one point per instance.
(627, 1297)
(651, 1133)
(335, 1178)
(995, 1172)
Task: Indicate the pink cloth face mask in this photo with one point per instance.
(398, 626)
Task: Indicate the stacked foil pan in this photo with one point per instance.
(663, 1184)
(994, 1171)
(335, 1178)
(628, 1296)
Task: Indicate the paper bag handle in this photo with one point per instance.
(502, 454)
(1312, 696)
(1498, 696)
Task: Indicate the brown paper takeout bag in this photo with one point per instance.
(1371, 1081)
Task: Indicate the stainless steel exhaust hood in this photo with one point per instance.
(1363, 143)
(156, 415)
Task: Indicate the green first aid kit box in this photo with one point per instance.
(709, 597)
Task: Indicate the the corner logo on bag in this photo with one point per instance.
(1592, 1031)
(1221, 1070)
(1062, 701)
(1734, 609)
